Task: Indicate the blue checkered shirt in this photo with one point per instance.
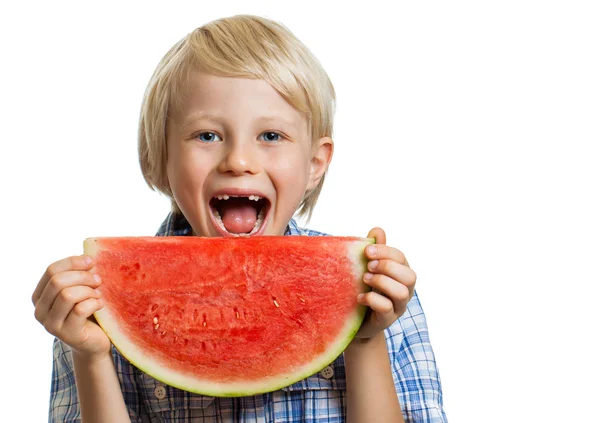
(320, 398)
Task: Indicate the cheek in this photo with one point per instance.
(185, 170)
(290, 163)
(289, 173)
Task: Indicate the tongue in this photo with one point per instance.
(238, 216)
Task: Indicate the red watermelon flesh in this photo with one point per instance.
(230, 316)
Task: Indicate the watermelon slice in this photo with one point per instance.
(230, 316)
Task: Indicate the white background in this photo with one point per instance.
(469, 130)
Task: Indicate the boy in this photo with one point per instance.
(236, 129)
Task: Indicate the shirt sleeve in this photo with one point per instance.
(414, 368)
(64, 402)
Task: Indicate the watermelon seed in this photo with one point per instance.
(155, 320)
(156, 326)
(163, 333)
(302, 301)
(154, 307)
(275, 302)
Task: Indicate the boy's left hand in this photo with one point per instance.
(392, 282)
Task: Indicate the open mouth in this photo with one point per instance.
(239, 215)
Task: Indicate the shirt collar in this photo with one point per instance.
(175, 224)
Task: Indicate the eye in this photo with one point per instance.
(208, 137)
(271, 136)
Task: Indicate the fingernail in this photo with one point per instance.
(372, 250)
(98, 293)
(360, 297)
(368, 276)
(373, 264)
(97, 277)
(87, 259)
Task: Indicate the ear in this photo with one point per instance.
(322, 153)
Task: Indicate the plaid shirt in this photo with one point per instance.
(320, 398)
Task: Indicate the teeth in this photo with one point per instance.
(250, 197)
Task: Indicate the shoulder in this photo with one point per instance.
(175, 224)
(294, 229)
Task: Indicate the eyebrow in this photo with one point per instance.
(217, 119)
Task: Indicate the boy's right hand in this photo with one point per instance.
(64, 300)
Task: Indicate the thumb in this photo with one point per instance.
(378, 234)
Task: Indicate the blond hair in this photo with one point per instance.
(241, 46)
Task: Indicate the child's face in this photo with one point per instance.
(238, 138)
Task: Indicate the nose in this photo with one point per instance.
(239, 159)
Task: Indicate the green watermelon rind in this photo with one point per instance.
(158, 371)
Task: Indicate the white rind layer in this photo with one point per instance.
(159, 371)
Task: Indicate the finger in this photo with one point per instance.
(65, 302)
(403, 274)
(58, 283)
(378, 234)
(377, 302)
(398, 293)
(83, 262)
(81, 313)
(379, 251)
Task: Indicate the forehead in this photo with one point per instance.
(240, 100)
